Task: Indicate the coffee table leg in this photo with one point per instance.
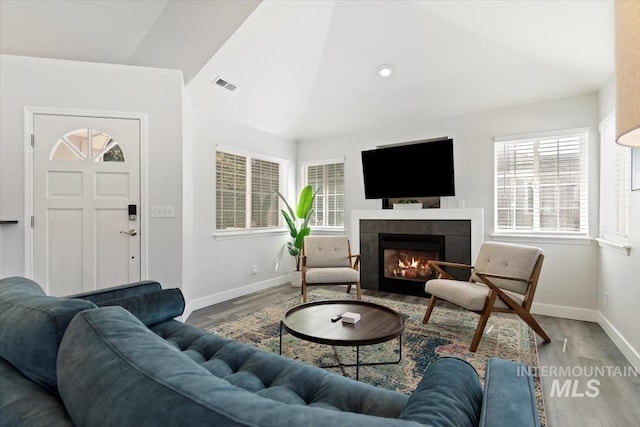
(357, 363)
(281, 337)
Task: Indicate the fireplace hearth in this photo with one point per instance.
(403, 262)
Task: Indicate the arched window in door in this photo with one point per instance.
(87, 145)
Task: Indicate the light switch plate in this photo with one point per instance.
(162, 212)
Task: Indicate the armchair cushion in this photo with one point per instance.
(469, 295)
(327, 251)
(332, 275)
(508, 260)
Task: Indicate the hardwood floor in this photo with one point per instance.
(588, 352)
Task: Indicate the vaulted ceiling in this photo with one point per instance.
(306, 69)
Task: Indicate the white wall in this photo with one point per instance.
(563, 288)
(38, 82)
(619, 290)
(217, 268)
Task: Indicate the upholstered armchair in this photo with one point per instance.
(327, 260)
(503, 280)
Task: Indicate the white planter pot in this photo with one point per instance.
(295, 277)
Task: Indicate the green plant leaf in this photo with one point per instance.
(293, 215)
(301, 235)
(304, 210)
(292, 226)
(305, 223)
(305, 202)
(293, 251)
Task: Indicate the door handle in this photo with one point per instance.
(131, 232)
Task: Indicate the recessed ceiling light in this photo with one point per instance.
(385, 70)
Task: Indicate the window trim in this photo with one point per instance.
(302, 179)
(606, 239)
(259, 231)
(544, 236)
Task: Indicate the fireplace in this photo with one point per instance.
(403, 261)
(458, 235)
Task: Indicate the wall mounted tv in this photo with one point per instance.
(412, 170)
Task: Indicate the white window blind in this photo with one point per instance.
(328, 180)
(615, 184)
(244, 191)
(541, 184)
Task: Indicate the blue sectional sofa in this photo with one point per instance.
(117, 357)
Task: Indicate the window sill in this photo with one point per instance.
(543, 238)
(616, 246)
(241, 234)
(327, 230)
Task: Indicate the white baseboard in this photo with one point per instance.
(208, 300)
(574, 313)
(623, 345)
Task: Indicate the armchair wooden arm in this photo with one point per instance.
(499, 292)
(356, 261)
(500, 276)
(449, 264)
(521, 310)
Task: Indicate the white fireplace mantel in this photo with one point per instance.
(476, 216)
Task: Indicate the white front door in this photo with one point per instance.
(86, 182)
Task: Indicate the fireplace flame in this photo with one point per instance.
(416, 269)
(412, 264)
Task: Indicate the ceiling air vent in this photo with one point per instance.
(225, 84)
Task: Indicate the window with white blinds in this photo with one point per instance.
(541, 184)
(328, 180)
(615, 184)
(244, 191)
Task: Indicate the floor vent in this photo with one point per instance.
(225, 84)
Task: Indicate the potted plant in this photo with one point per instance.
(294, 219)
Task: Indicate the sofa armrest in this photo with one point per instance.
(152, 307)
(448, 395)
(128, 290)
(509, 396)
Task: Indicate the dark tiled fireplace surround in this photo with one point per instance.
(457, 235)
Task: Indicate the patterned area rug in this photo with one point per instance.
(448, 333)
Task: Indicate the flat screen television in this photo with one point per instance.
(420, 169)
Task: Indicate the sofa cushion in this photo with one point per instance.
(115, 371)
(151, 307)
(31, 327)
(449, 395)
(260, 372)
(25, 403)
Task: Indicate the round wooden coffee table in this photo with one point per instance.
(312, 322)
